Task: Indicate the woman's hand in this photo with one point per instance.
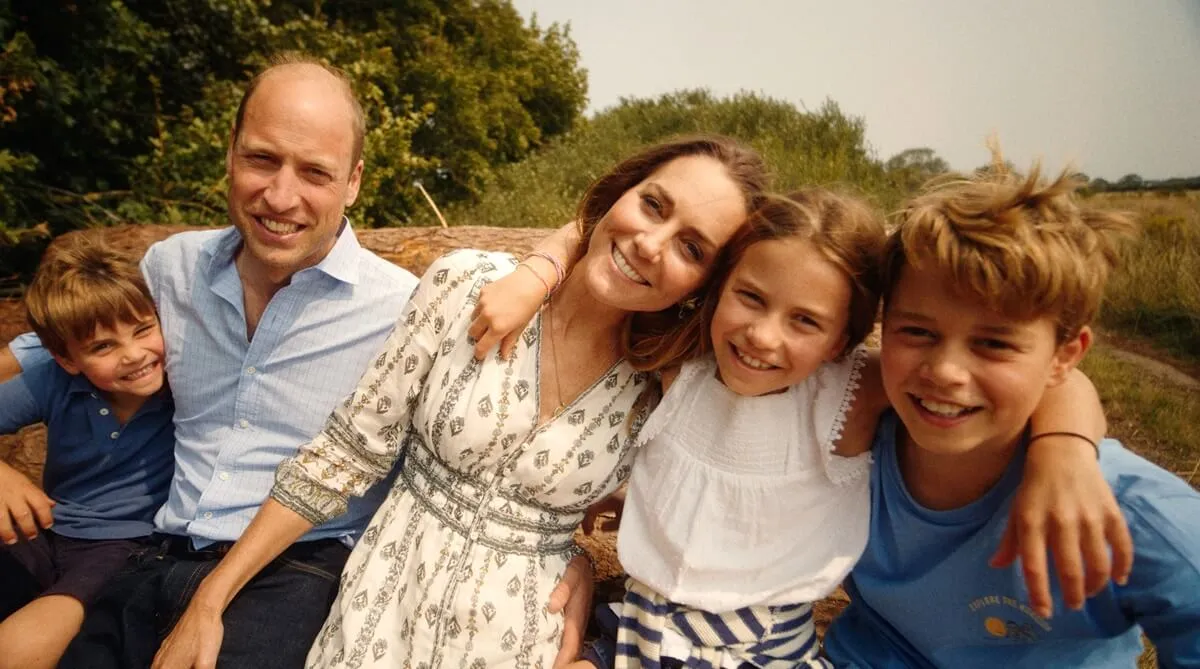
(1066, 504)
(24, 507)
(505, 307)
(195, 641)
(573, 597)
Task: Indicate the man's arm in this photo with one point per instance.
(9, 365)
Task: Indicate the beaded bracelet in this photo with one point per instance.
(1067, 434)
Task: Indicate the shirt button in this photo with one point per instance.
(244, 423)
(251, 370)
(95, 396)
(104, 412)
(208, 515)
(224, 476)
(114, 435)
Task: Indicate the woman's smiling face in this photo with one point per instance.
(659, 241)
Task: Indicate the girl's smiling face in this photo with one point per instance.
(782, 313)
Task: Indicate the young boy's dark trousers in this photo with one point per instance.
(51, 564)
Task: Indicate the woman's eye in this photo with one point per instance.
(652, 203)
(694, 251)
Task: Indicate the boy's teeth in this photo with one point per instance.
(626, 268)
(278, 227)
(943, 408)
(753, 363)
(139, 373)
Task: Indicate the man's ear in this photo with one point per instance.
(65, 362)
(1069, 354)
(355, 183)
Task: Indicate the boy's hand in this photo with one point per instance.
(573, 596)
(505, 307)
(23, 506)
(1065, 503)
(614, 504)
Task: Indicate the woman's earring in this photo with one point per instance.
(687, 306)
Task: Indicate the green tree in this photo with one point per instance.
(120, 110)
(912, 167)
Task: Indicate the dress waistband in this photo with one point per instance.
(488, 512)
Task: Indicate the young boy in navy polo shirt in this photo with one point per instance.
(110, 445)
(990, 284)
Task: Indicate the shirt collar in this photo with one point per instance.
(340, 264)
(79, 385)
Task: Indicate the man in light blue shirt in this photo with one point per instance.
(268, 324)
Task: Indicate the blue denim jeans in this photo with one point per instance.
(269, 625)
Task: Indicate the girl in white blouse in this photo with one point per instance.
(749, 500)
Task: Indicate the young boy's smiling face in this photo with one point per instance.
(960, 375)
(124, 361)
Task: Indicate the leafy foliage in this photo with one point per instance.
(120, 110)
(820, 147)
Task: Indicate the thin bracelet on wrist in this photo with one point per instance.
(1064, 433)
(559, 272)
(534, 272)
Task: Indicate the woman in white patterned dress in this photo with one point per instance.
(501, 457)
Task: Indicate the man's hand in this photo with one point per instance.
(23, 506)
(1065, 503)
(572, 596)
(195, 641)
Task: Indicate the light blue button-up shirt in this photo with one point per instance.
(242, 406)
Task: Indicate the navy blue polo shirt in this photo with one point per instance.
(108, 480)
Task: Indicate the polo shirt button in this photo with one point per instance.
(208, 515)
(114, 435)
(104, 412)
(244, 423)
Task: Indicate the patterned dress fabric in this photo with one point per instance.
(457, 566)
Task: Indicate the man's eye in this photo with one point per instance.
(914, 331)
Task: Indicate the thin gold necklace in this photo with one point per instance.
(554, 358)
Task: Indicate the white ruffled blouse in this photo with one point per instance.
(739, 501)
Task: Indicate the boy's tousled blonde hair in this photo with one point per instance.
(1023, 247)
(82, 284)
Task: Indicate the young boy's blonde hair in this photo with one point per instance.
(82, 284)
(1021, 246)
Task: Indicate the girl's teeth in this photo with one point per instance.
(626, 268)
(753, 363)
(942, 408)
(279, 228)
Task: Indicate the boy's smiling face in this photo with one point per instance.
(960, 375)
(124, 361)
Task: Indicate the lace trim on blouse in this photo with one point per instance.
(842, 470)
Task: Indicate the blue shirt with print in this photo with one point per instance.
(923, 594)
(107, 479)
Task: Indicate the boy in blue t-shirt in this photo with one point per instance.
(990, 283)
(110, 444)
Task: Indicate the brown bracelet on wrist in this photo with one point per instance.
(1067, 434)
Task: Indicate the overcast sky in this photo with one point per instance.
(1111, 85)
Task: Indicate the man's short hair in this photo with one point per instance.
(82, 284)
(1018, 245)
(296, 58)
